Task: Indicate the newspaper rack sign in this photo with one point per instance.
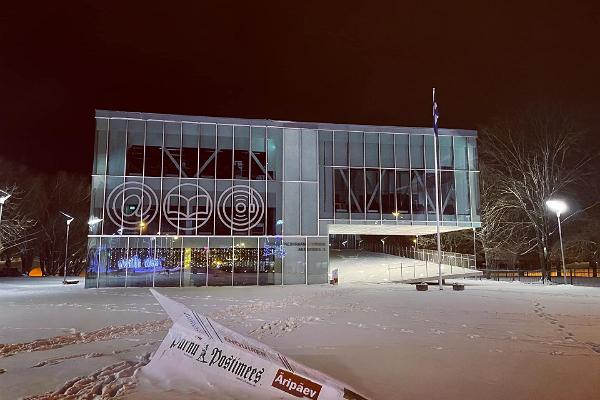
(198, 355)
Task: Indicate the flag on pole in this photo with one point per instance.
(436, 115)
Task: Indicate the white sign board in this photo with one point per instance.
(198, 355)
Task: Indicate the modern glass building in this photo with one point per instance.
(202, 201)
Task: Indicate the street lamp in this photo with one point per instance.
(559, 207)
(396, 214)
(3, 197)
(93, 221)
(69, 219)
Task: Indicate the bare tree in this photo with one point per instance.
(532, 158)
(16, 227)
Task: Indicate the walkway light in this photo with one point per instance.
(3, 197)
(69, 219)
(559, 207)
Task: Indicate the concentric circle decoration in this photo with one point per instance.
(130, 203)
(240, 207)
(187, 206)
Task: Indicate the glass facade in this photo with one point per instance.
(199, 201)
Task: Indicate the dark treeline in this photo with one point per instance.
(32, 226)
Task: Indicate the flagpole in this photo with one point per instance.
(437, 196)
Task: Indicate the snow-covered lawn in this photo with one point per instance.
(495, 340)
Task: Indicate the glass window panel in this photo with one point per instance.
(97, 203)
(223, 209)
(291, 216)
(220, 261)
(100, 146)
(294, 260)
(93, 263)
(113, 220)
(170, 260)
(475, 204)
(291, 154)
(153, 206)
(357, 194)
(225, 151)
(472, 148)
(357, 149)
(140, 262)
(460, 152)
(133, 206)
(341, 193)
(429, 153)
(153, 152)
(463, 204)
(113, 262)
(325, 148)
(116, 147)
(204, 209)
(387, 150)
(270, 256)
(258, 161)
(241, 162)
(170, 201)
(419, 194)
(260, 227)
(371, 149)
(194, 206)
(417, 151)
(195, 261)
(243, 210)
(309, 208)
(340, 148)
(326, 198)
(430, 184)
(403, 192)
(318, 260)
(275, 154)
(190, 138)
(401, 151)
(172, 149)
(274, 208)
(135, 147)
(448, 197)
(372, 187)
(208, 151)
(388, 198)
(245, 261)
(446, 152)
(309, 155)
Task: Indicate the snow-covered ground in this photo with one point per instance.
(495, 340)
(361, 266)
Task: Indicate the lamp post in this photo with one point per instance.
(69, 219)
(559, 207)
(3, 197)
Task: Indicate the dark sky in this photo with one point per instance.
(361, 62)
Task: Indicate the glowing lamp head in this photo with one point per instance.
(4, 196)
(558, 206)
(93, 221)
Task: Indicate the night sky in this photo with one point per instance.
(363, 63)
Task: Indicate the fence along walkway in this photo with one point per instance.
(362, 266)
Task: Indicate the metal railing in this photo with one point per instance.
(431, 256)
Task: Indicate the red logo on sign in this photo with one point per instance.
(296, 385)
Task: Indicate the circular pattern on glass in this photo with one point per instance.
(130, 203)
(187, 206)
(240, 207)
